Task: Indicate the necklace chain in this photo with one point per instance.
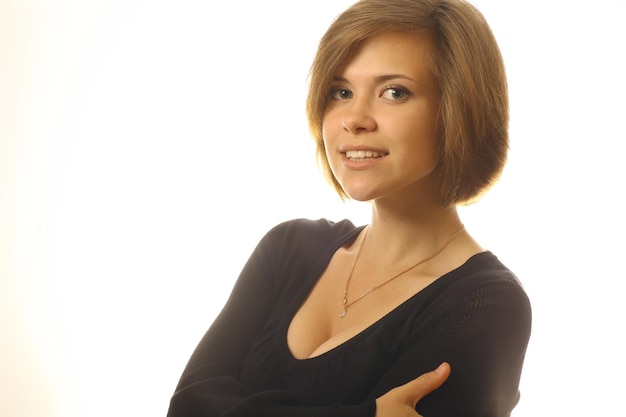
(347, 305)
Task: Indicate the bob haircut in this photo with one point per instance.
(466, 60)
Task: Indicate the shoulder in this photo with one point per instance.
(480, 300)
(301, 248)
(304, 240)
(312, 230)
(484, 281)
(485, 269)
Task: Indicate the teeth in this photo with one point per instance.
(363, 154)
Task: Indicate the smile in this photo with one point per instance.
(364, 155)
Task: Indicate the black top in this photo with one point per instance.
(476, 317)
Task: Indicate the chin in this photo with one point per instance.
(361, 195)
(364, 191)
(361, 199)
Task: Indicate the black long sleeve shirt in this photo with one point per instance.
(476, 317)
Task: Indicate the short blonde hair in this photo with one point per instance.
(474, 109)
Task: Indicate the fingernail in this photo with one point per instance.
(440, 368)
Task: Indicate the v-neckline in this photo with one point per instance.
(312, 279)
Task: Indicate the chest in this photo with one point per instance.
(347, 372)
(333, 312)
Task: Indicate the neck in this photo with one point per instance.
(411, 231)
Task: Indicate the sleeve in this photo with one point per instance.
(209, 385)
(483, 336)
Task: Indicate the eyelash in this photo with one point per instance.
(335, 93)
(397, 89)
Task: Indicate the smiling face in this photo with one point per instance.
(380, 122)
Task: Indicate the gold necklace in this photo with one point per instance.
(347, 305)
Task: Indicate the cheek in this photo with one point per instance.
(326, 123)
(326, 143)
(328, 133)
(420, 145)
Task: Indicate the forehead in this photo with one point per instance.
(391, 52)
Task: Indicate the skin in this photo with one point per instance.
(385, 101)
(401, 401)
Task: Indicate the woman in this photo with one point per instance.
(408, 107)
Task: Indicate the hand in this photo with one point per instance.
(401, 401)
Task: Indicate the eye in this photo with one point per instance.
(395, 93)
(340, 94)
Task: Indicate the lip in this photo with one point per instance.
(346, 148)
(359, 164)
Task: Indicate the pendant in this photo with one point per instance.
(345, 306)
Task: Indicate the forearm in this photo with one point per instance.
(226, 397)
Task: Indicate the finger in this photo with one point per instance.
(427, 383)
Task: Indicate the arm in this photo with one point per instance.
(206, 398)
(223, 348)
(210, 384)
(483, 335)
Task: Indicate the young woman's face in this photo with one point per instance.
(380, 122)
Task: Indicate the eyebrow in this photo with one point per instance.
(381, 78)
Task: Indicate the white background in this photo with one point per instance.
(146, 146)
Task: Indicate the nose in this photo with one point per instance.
(358, 118)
